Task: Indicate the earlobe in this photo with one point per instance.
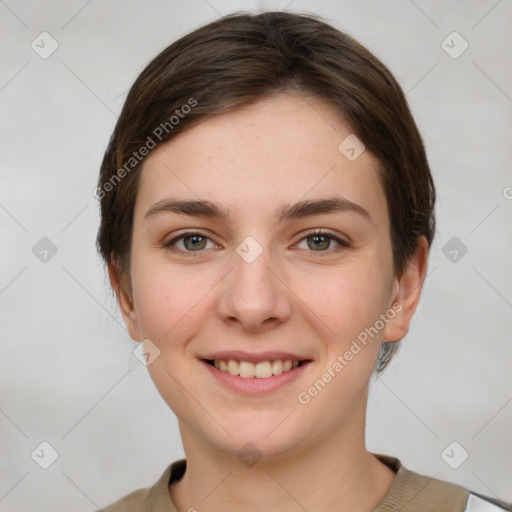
(407, 293)
(125, 301)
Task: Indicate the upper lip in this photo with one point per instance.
(240, 355)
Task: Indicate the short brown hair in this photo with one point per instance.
(239, 59)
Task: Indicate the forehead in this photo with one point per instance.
(276, 151)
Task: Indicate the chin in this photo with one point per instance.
(257, 440)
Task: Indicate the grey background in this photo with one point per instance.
(67, 372)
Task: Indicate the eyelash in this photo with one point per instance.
(318, 232)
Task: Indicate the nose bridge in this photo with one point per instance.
(252, 293)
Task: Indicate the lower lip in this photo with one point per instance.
(253, 385)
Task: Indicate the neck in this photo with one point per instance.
(334, 473)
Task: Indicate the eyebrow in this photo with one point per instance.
(204, 208)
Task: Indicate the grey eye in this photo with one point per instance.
(196, 242)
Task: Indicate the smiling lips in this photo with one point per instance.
(261, 376)
(261, 370)
(261, 365)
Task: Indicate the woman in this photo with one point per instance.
(267, 211)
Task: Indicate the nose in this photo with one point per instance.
(254, 295)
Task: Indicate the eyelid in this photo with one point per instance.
(342, 244)
(188, 233)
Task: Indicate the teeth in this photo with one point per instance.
(246, 369)
(261, 370)
(277, 367)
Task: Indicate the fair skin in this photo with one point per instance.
(302, 295)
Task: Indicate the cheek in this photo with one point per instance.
(170, 301)
(170, 305)
(345, 301)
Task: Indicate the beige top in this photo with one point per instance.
(409, 492)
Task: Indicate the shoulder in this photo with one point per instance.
(136, 500)
(150, 499)
(413, 491)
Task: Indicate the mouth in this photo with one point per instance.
(260, 370)
(265, 374)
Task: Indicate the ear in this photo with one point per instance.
(125, 300)
(406, 293)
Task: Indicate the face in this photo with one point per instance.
(255, 272)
